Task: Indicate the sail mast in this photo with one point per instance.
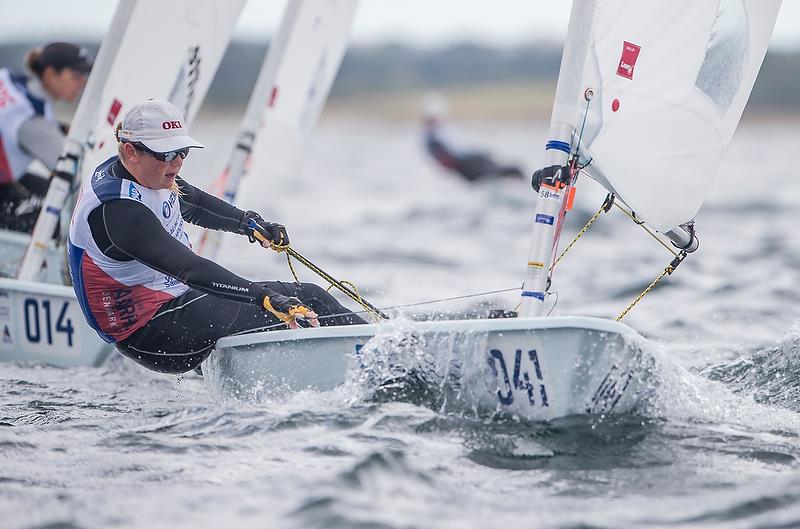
(558, 149)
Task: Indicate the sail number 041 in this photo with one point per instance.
(520, 378)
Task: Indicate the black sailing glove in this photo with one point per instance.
(289, 310)
(269, 234)
(550, 175)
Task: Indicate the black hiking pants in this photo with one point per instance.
(183, 332)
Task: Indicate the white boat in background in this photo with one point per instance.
(294, 81)
(648, 99)
(42, 323)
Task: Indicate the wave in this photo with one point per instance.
(770, 376)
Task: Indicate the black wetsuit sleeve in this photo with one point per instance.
(125, 230)
(208, 211)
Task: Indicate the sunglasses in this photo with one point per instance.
(160, 156)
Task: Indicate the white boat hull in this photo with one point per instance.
(43, 324)
(12, 248)
(538, 368)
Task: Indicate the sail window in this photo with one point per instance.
(726, 55)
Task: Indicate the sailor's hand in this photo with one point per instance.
(289, 310)
(268, 234)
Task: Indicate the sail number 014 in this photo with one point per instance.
(42, 322)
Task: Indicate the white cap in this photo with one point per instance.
(158, 125)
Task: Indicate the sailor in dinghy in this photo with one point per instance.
(470, 164)
(138, 282)
(29, 130)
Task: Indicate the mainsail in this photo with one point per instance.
(651, 94)
(292, 86)
(166, 50)
(670, 85)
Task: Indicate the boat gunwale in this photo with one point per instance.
(477, 325)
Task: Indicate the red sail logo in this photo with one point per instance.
(113, 111)
(630, 52)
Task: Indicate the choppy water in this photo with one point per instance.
(716, 445)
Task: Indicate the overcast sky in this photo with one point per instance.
(421, 22)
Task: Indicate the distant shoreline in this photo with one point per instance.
(502, 101)
(505, 101)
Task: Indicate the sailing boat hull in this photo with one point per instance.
(538, 368)
(43, 324)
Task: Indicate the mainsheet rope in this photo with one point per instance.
(393, 307)
(351, 293)
(350, 289)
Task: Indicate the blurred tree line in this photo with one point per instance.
(400, 67)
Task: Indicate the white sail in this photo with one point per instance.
(299, 76)
(299, 68)
(670, 82)
(162, 50)
(651, 93)
(570, 85)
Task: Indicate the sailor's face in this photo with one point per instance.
(64, 85)
(157, 174)
(152, 173)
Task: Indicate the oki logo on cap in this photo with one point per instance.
(158, 125)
